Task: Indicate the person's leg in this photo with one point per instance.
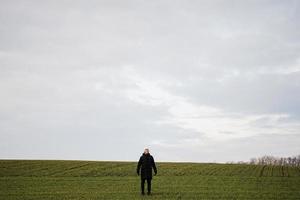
(143, 185)
(149, 185)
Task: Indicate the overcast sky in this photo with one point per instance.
(192, 80)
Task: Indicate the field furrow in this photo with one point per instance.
(36, 180)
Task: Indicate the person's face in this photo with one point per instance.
(146, 151)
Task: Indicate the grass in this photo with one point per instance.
(35, 179)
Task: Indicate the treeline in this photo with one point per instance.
(280, 161)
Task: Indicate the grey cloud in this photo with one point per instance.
(268, 93)
(85, 80)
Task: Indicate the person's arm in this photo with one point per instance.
(139, 166)
(154, 166)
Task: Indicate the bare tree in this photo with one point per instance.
(279, 161)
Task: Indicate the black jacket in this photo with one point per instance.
(146, 163)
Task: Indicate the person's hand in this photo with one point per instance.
(155, 173)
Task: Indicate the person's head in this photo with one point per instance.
(146, 151)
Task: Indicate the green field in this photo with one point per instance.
(41, 180)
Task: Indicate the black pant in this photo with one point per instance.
(148, 184)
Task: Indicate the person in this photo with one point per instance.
(145, 165)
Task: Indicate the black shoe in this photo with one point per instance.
(143, 193)
(148, 193)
